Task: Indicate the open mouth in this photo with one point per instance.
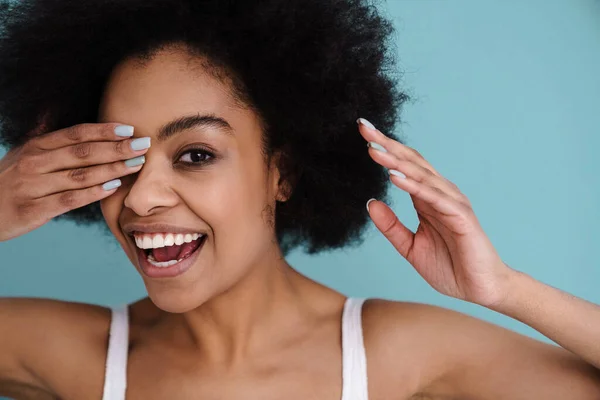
(168, 256)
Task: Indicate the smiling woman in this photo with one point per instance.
(196, 172)
(238, 124)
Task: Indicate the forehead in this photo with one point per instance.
(171, 83)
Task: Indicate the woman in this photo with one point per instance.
(212, 137)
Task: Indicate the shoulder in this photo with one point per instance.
(50, 325)
(431, 349)
(387, 319)
(400, 340)
(52, 339)
(410, 346)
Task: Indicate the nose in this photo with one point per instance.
(150, 190)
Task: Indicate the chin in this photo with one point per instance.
(177, 301)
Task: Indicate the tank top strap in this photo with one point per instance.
(354, 360)
(115, 379)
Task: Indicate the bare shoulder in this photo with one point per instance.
(400, 341)
(46, 340)
(406, 345)
(433, 350)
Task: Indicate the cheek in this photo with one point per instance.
(232, 200)
(111, 208)
(248, 193)
(234, 204)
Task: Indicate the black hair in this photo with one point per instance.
(309, 68)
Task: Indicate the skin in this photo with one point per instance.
(242, 323)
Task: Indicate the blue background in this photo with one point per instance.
(506, 105)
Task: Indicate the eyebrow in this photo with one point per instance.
(193, 121)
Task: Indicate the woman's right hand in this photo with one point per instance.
(63, 170)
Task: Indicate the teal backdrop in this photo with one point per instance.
(506, 105)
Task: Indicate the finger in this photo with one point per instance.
(390, 226)
(86, 177)
(60, 203)
(82, 133)
(86, 154)
(399, 149)
(440, 201)
(416, 172)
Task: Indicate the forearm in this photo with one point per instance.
(571, 322)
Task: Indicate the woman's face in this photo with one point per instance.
(228, 196)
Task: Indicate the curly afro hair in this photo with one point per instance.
(309, 68)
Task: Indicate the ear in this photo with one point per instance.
(41, 126)
(285, 191)
(281, 177)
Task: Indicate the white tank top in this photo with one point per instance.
(354, 363)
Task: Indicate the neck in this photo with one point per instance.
(240, 322)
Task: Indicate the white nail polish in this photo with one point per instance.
(365, 123)
(140, 143)
(377, 146)
(370, 200)
(124, 130)
(110, 185)
(397, 173)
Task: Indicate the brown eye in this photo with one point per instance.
(195, 156)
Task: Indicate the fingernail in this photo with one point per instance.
(141, 143)
(124, 130)
(370, 200)
(110, 185)
(377, 146)
(365, 123)
(397, 173)
(134, 162)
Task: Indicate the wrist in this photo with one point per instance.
(516, 289)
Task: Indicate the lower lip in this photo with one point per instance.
(153, 271)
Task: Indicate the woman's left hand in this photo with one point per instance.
(449, 250)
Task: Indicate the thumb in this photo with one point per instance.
(386, 221)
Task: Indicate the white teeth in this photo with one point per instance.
(156, 240)
(169, 239)
(147, 243)
(164, 264)
(179, 239)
